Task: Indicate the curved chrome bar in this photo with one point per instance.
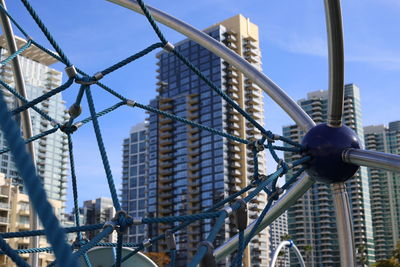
(344, 224)
(297, 190)
(336, 62)
(289, 244)
(373, 159)
(25, 116)
(274, 91)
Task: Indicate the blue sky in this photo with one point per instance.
(95, 34)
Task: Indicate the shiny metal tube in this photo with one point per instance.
(274, 91)
(344, 225)
(373, 159)
(333, 16)
(303, 183)
(25, 116)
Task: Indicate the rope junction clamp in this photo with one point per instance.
(123, 221)
(275, 194)
(169, 47)
(137, 220)
(71, 71)
(228, 210)
(146, 243)
(256, 145)
(74, 111)
(240, 215)
(170, 239)
(68, 129)
(130, 103)
(209, 258)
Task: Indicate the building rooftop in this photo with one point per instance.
(33, 52)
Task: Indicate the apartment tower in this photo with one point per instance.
(134, 179)
(384, 189)
(190, 169)
(311, 220)
(278, 232)
(51, 151)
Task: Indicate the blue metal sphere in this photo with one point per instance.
(325, 145)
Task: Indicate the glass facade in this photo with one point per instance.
(134, 179)
(384, 190)
(51, 151)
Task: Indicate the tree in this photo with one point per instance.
(308, 251)
(387, 263)
(286, 237)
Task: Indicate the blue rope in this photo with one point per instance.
(43, 97)
(25, 101)
(18, 52)
(74, 185)
(172, 253)
(191, 123)
(12, 254)
(102, 149)
(103, 112)
(74, 229)
(46, 32)
(24, 163)
(119, 250)
(33, 138)
(210, 238)
(131, 58)
(152, 22)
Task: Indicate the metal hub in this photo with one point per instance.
(325, 145)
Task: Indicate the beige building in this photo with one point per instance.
(15, 217)
(191, 169)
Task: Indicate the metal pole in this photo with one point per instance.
(25, 116)
(336, 62)
(372, 159)
(274, 91)
(303, 183)
(344, 225)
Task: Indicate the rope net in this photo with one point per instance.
(67, 254)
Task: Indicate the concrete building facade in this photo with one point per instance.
(278, 232)
(311, 220)
(96, 211)
(384, 189)
(15, 217)
(190, 169)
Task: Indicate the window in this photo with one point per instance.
(134, 137)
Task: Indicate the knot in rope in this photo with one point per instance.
(68, 129)
(123, 221)
(77, 244)
(285, 167)
(85, 80)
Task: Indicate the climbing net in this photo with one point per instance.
(67, 254)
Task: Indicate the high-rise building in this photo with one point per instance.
(384, 189)
(311, 220)
(15, 217)
(51, 151)
(190, 169)
(278, 232)
(96, 211)
(134, 179)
